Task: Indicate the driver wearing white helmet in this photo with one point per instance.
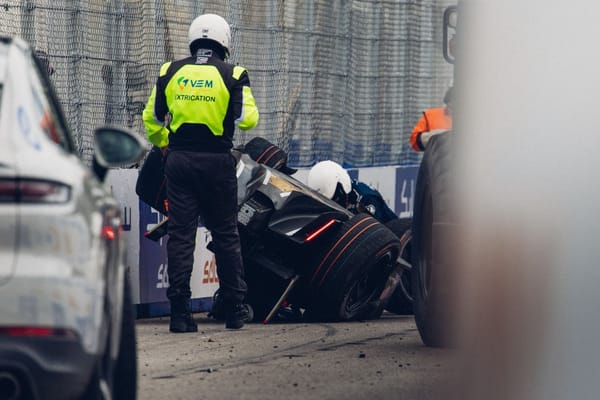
(333, 181)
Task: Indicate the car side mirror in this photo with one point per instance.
(116, 147)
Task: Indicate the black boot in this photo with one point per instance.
(217, 310)
(181, 316)
(237, 315)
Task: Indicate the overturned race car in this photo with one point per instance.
(300, 249)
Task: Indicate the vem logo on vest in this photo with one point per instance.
(183, 82)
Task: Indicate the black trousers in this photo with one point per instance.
(205, 185)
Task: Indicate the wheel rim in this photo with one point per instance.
(368, 287)
(405, 277)
(405, 285)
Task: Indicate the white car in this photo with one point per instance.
(66, 316)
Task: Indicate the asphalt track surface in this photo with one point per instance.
(381, 359)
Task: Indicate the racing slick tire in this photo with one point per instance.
(351, 272)
(401, 300)
(432, 271)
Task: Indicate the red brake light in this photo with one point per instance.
(8, 191)
(322, 229)
(33, 191)
(108, 232)
(36, 331)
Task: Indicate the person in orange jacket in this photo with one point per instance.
(433, 122)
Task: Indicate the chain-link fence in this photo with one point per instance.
(334, 79)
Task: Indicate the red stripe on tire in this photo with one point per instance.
(344, 249)
(334, 246)
(271, 156)
(263, 153)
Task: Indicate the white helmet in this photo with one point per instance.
(212, 27)
(324, 177)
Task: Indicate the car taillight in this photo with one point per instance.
(322, 229)
(36, 331)
(33, 191)
(110, 233)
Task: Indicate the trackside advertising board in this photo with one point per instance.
(147, 260)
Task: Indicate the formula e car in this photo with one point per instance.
(299, 247)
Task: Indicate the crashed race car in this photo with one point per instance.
(300, 249)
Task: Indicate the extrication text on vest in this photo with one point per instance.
(191, 97)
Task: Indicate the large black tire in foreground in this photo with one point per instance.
(432, 272)
(352, 270)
